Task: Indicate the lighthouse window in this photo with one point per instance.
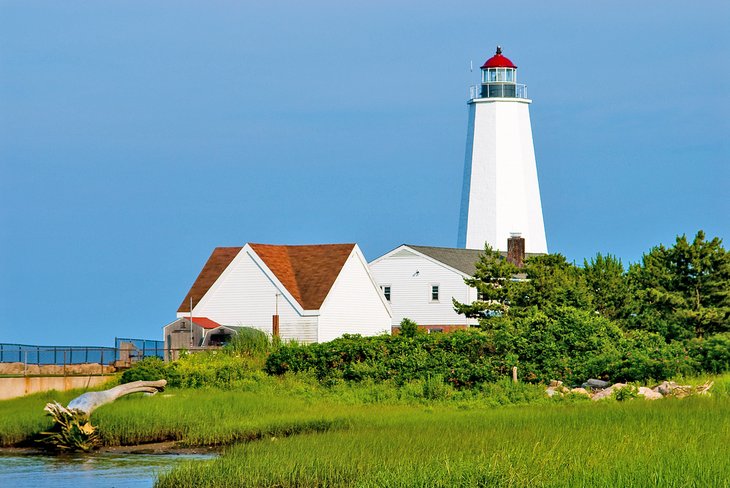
(492, 75)
(510, 75)
(500, 74)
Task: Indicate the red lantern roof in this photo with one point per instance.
(498, 61)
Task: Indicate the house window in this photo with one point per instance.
(386, 291)
(434, 293)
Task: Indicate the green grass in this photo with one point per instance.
(637, 443)
(292, 431)
(260, 406)
(20, 418)
(211, 418)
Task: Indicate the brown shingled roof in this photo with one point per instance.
(216, 264)
(307, 272)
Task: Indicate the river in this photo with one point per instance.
(106, 470)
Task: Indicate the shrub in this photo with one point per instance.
(408, 328)
(434, 388)
(148, 369)
(627, 392)
(712, 353)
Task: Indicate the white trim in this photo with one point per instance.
(421, 255)
(383, 286)
(361, 257)
(212, 288)
(438, 293)
(278, 284)
(168, 325)
(500, 99)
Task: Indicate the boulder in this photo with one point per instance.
(596, 384)
(649, 394)
(606, 393)
(602, 394)
(580, 391)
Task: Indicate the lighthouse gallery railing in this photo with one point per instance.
(497, 90)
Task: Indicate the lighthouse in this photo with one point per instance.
(500, 194)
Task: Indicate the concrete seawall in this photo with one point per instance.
(25, 385)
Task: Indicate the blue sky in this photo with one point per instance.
(137, 136)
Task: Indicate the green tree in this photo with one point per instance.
(493, 280)
(684, 290)
(607, 282)
(552, 282)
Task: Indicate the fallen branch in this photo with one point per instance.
(88, 402)
(72, 430)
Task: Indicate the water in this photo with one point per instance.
(85, 471)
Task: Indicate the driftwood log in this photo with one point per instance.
(90, 401)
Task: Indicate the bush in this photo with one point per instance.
(567, 344)
(408, 328)
(214, 369)
(627, 392)
(434, 388)
(148, 369)
(712, 353)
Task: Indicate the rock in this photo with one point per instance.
(601, 395)
(674, 389)
(666, 387)
(596, 384)
(607, 392)
(555, 383)
(580, 391)
(649, 394)
(551, 391)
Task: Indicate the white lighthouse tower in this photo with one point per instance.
(500, 196)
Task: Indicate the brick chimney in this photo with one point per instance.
(516, 249)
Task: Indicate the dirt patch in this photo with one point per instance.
(170, 447)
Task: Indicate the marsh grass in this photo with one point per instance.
(211, 418)
(635, 443)
(292, 431)
(21, 418)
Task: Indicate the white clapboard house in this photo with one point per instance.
(420, 282)
(308, 293)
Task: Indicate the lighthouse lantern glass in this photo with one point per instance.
(491, 75)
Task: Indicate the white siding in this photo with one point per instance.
(410, 277)
(354, 304)
(244, 295)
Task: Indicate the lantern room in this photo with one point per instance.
(499, 69)
(499, 79)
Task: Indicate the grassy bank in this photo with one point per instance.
(667, 443)
(292, 431)
(261, 406)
